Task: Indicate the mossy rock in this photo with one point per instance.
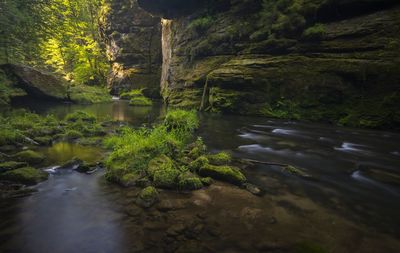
(221, 158)
(147, 197)
(161, 162)
(224, 173)
(189, 182)
(44, 140)
(11, 165)
(72, 135)
(207, 181)
(130, 179)
(199, 163)
(29, 156)
(166, 178)
(26, 175)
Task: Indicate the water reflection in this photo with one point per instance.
(62, 152)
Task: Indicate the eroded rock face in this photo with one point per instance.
(133, 40)
(37, 83)
(310, 63)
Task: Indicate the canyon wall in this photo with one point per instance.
(319, 60)
(133, 40)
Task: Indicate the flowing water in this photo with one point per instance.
(354, 183)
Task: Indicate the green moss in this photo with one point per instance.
(221, 158)
(225, 173)
(29, 156)
(85, 94)
(206, 180)
(147, 197)
(80, 116)
(73, 135)
(166, 178)
(27, 175)
(189, 182)
(196, 149)
(315, 32)
(130, 179)
(199, 163)
(161, 162)
(131, 94)
(9, 136)
(140, 101)
(11, 165)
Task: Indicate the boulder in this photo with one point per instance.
(224, 173)
(26, 175)
(147, 197)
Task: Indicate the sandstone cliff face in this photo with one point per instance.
(335, 61)
(133, 40)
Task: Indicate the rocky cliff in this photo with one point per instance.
(320, 60)
(133, 41)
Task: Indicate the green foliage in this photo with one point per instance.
(315, 32)
(133, 149)
(80, 116)
(140, 101)
(199, 163)
(131, 94)
(148, 193)
(182, 120)
(84, 94)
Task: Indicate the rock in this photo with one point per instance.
(246, 70)
(11, 165)
(37, 83)
(87, 168)
(133, 42)
(189, 182)
(29, 156)
(252, 189)
(147, 197)
(26, 175)
(224, 173)
(73, 164)
(43, 140)
(171, 205)
(163, 172)
(175, 230)
(130, 179)
(199, 163)
(166, 178)
(222, 158)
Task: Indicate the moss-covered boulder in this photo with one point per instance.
(44, 140)
(26, 175)
(147, 197)
(199, 163)
(189, 182)
(131, 179)
(224, 173)
(166, 178)
(29, 156)
(161, 162)
(71, 135)
(11, 165)
(221, 158)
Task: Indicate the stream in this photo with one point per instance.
(355, 175)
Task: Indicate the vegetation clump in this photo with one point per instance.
(136, 98)
(164, 155)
